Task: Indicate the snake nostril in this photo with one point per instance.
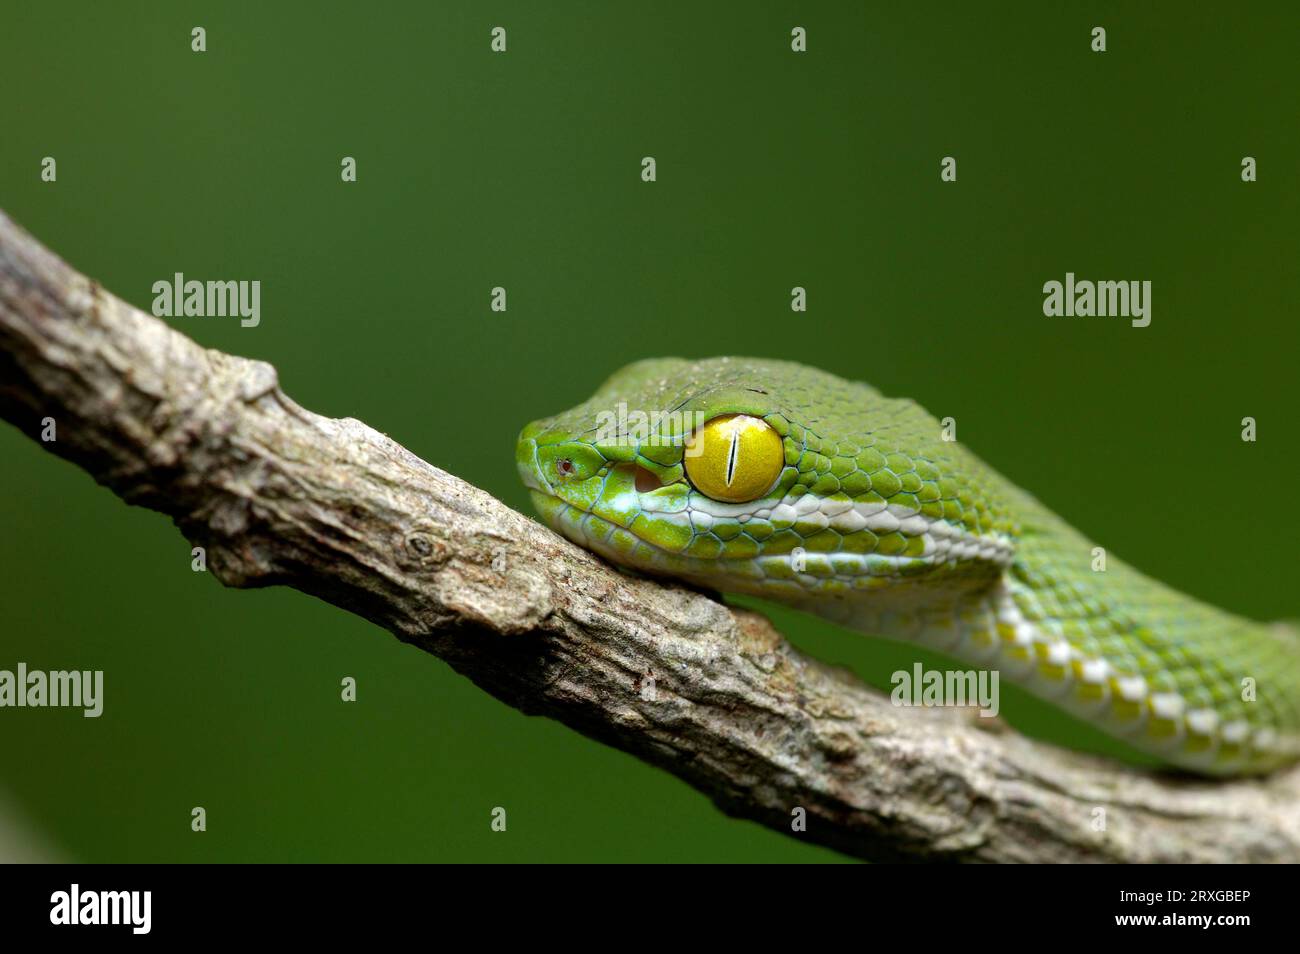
(564, 467)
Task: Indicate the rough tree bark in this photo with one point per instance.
(279, 495)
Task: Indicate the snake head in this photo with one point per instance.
(749, 475)
(656, 459)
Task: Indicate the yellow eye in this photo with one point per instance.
(734, 458)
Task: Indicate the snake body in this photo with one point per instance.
(879, 522)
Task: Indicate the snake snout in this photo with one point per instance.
(526, 463)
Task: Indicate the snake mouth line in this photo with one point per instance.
(564, 516)
(860, 576)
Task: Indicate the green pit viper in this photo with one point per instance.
(773, 479)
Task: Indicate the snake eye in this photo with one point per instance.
(734, 458)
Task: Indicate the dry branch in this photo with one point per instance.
(279, 495)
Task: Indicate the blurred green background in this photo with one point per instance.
(522, 169)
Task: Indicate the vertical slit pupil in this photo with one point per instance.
(733, 456)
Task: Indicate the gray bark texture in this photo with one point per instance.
(281, 496)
